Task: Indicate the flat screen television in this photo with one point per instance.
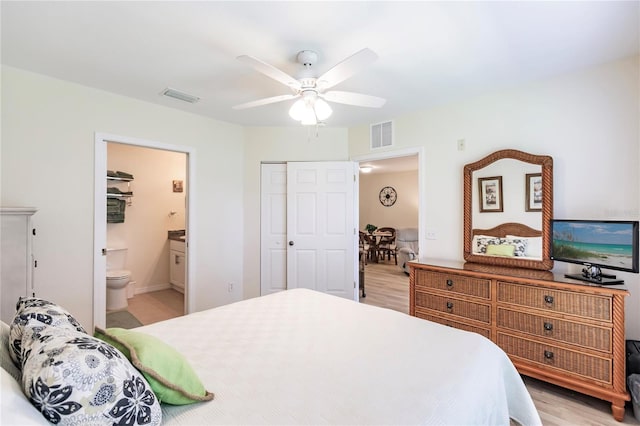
(596, 244)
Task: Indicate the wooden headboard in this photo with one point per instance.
(510, 228)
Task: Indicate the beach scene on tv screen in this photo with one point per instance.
(605, 244)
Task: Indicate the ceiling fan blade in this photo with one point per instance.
(351, 98)
(265, 101)
(270, 71)
(346, 68)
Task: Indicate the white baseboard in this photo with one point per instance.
(177, 288)
(150, 288)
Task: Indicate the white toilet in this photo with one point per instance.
(117, 279)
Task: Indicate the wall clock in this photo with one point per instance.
(388, 196)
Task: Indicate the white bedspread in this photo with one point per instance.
(303, 357)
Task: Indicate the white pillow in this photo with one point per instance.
(15, 408)
(534, 246)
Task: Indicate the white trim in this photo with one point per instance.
(100, 212)
(405, 152)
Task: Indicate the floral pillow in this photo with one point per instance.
(41, 313)
(481, 244)
(520, 245)
(74, 378)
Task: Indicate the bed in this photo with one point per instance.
(304, 357)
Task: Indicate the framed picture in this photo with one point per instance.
(177, 186)
(533, 182)
(490, 194)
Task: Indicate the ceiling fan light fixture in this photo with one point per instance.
(310, 109)
(297, 110)
(309, 117)
(323, 110)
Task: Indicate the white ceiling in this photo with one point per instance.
(429, 52)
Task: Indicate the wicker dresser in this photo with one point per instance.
(553, 328)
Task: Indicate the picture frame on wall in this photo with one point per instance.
(533, 182)
(490, 194)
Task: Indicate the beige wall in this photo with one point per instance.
(403, 214)
(588, 121)
(47, 161)
(147, 219)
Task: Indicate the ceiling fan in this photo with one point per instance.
(311, 91)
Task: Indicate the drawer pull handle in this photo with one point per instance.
(449, 305)
(548, 326)
(449, 283)
(548, 355)
(548, 299)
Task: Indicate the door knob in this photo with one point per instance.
(291, 243)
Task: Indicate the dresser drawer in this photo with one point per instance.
(573, 362)
(455, 324)
(453, 306)
(575, 333)
(585, 305)
(469, 286)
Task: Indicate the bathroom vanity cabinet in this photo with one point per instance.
(177, 264)
(17, 262)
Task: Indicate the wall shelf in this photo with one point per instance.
(117, 180)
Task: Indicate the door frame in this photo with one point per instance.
(405, 152)
(100, 212)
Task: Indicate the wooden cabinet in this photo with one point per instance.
(553, 328)
(16, 255)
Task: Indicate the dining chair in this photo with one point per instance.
(387, 243)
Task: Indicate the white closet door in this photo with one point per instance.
(273, 228)
(308, 236)
(321, 227)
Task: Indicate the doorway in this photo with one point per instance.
(166, 216)
(387, 284)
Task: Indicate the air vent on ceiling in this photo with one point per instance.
(381, 134)
(173, 93)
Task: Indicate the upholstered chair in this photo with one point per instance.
(406, 246)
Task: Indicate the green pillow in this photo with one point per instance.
(169, 374)
(501, 250)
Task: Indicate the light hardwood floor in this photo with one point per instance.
(387, 286)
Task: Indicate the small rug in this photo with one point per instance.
(122, 319)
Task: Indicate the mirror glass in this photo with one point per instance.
(508, 203)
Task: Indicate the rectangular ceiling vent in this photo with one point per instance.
(176, 94)
(381, 134)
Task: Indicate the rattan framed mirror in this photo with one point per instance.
(517, 221)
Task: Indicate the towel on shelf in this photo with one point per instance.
(115, 210)
(124, 175)
(117, 191)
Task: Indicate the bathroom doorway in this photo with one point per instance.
(154, 222)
